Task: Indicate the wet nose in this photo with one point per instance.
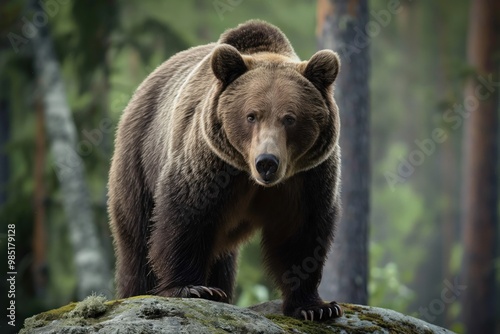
(267, 165)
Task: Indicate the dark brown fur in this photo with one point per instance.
(183, 189)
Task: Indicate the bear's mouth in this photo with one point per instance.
(265, 182)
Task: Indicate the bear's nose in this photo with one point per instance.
(267, 165)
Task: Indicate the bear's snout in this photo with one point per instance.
(267, 165)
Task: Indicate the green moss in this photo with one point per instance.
(153, 311)
(351, 313)
(113, 303)
(207, 319)
(138, 297)
(401, 326)
(223, 322)
(293, 325)
(91, 307)
(57, 313)
(352, 309)
(42, 319)
(89, 312)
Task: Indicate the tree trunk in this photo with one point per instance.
(341, 27)
(480, 187)
(93, 273)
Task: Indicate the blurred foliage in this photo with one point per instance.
(106, 48)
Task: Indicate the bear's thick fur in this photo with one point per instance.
(219, 141)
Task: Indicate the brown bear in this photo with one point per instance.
(219, 141)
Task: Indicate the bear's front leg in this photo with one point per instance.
(181, 244)
(179, 254)
(296, 259)
(296, 265)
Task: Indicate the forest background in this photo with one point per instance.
(420, 67)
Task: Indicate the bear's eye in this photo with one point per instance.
(289, 120)
(251, 118)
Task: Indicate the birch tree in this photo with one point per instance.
(93, 273)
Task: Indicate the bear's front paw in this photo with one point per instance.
(195, 291)
(319, 312)
(200, 291)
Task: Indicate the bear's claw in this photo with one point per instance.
(322, 312)
(194, 292)
(200, 291)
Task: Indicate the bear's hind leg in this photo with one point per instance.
(130, 205)
(133, 274)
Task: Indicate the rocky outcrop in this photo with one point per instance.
(152, 314)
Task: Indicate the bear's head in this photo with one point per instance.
(270, 115)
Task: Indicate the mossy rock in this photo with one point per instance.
(152, 314)
(356, 319)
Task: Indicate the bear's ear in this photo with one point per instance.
(322, 69)
(227, 63)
